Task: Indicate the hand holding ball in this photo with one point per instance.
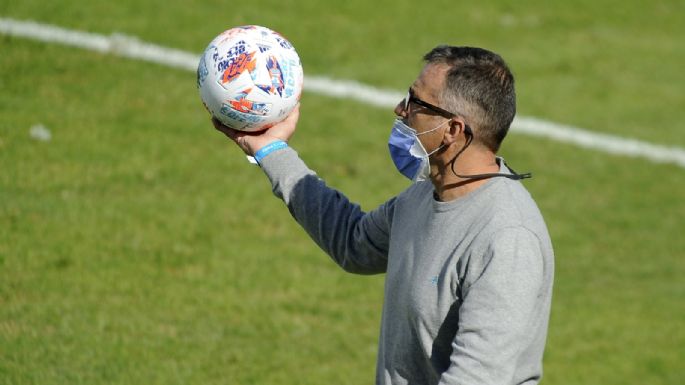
(250, 78)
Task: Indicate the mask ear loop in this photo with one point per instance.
(514, 175)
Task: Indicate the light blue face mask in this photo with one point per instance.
(407, 152)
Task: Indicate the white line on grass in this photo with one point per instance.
(126, 46)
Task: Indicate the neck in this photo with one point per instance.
(473, 161)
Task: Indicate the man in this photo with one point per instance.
(467, 254)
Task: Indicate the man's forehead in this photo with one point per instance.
(430, 80)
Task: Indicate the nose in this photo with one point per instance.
(399, 109)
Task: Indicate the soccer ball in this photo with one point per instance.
(250, 78)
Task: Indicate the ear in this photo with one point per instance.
(455, 129)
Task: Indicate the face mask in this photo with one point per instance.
(407, 152)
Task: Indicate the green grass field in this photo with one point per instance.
(139, 247)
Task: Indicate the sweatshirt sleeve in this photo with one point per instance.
(501, 296)
(355, 240)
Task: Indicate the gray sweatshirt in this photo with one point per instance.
(469, 282)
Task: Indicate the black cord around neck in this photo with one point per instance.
(514, 175)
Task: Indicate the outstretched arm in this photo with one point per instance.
(357, 241)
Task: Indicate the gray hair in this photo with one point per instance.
(479, 86)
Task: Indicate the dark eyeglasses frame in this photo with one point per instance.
(411, 98)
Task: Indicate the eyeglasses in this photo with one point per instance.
(411, 98)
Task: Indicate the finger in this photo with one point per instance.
(231, 133)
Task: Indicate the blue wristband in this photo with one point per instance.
(268, 149)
